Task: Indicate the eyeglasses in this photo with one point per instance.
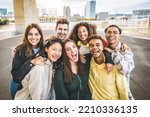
(112, 32)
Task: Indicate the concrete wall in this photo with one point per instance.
(25, 12)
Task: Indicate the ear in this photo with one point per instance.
(46, 49)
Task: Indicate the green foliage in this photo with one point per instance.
(4, 21)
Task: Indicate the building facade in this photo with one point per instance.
(66, 12)
(90, 9)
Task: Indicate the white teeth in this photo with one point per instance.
(74, 56)
(111, 38)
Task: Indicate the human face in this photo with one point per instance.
(62, 31)
(71, 51)
(95, 47)
(112, 35)
(82, 33)
(54, 51)
(34, 37)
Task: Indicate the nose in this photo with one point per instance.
(72, 51)
(62, 31)
(33, 36)
(82, 33)
(94, 47)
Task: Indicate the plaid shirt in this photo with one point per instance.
(123, 60)
(125, 64)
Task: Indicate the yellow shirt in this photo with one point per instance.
(104, 86)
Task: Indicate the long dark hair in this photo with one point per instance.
(26, 43)
(68, 75)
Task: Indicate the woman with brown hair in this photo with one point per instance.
(80, 34)
(71, 81)
(24, 58)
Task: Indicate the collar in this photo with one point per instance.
(118, 46)
(94, 64)
(48, 62)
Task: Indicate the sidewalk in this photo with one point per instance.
(137, 35)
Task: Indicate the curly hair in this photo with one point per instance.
(91, 28)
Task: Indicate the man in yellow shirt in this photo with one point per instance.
(104, 86)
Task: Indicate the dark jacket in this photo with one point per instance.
(21, 66)
(77, 89)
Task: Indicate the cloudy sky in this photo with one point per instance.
(77, 6)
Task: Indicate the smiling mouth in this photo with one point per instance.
(95, 52)
(82, 37)
(55, 57)
(111, 38)
(74, 56)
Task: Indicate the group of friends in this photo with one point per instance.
(80, 65)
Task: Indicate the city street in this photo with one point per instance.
(140, 77)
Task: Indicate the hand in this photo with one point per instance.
(109, 67)
(13, 51)
(124, 47)
(39, 61)
(82, 57)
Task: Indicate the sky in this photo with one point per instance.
(78, 6)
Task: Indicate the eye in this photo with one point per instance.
(36, 34)
(98, 44)
(91, 45)
(54, 49)
(109, 32)
(68, 49)
(30, 34)
(74, 46)
(116, 32)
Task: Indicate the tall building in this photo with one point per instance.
(44, 12)
(66, 12)
(90, 9)
(3, 11)
(10, 13)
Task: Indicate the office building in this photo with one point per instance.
(90, 9)
(66, 12)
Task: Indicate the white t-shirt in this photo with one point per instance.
(83, 49)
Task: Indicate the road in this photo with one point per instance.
(140, 77)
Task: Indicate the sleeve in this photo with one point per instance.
(36, 82)
(59, 86)
(108, 58)
(123, 61)
(88, 60)
(121, 86)
(20, 67)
